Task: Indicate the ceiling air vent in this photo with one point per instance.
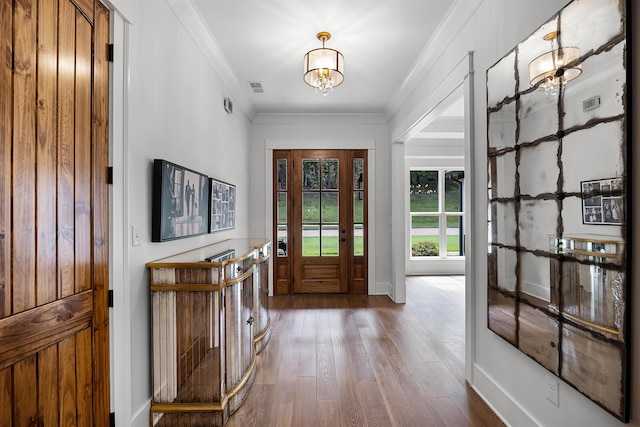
(256, 87)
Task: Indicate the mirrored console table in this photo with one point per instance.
(210, 317)
(588, 284)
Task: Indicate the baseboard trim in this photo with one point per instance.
(141, 417)
(501, 402)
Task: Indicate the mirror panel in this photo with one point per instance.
(598, 92)
(558, 212)
(601, 151)
(580, 19)
(538, 114)
(539, 169)
(501, 80)
(532, 48)
(502, 127)
(501, 175)
(502, 221)
(538, 336)
(535, 283)
(594, 366)
(504, 269)
(537, 220)
(502, 315)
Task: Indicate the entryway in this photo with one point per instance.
(320, 221)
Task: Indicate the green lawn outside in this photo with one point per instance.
(311, 246)
(429, 203)
(453, 242)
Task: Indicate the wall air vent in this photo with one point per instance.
(591, 103)
(228, 105)
(256, 87)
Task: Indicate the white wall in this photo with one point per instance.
(175, 112)
(511, 382)
(272, 131)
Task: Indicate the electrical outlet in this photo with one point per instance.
(552, 390)
(136, 239)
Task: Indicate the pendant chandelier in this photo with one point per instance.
(323, 67)
(555, 67)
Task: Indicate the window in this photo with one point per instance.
(436, 213)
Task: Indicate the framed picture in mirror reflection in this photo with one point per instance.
(602, 202)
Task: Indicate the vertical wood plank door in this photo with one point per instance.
(54, 325)
(320, 221)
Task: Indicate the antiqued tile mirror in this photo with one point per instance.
(558, 174)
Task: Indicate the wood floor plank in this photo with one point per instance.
(358, 360)
(254, 415)
(305, 402)
(449, 412)
(325, 365)
(308, 350)
(329, 414)
(400, 411)
(351, 410)
(369, 394)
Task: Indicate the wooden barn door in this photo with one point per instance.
(54, 331)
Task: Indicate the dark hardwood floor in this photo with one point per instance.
(359, 360)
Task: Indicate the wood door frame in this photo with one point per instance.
(369, 145)
(352, 269)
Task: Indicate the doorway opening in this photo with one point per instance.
(441, 138)
(320, 221)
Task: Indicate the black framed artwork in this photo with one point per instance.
(180, 202)
(222, 203)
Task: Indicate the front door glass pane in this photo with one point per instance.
(425, 236)
(310, 240)
(358, 206)
(358, 239)
(282, 174)
(282, 208)
(330, 240)
(310, 207)
(358, 171)
(423, 188)
(329, 208)
(283, 241)
(310, 174)
(330, 174)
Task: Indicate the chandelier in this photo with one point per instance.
(555, 67)
(323, 67)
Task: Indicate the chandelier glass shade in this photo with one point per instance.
(555, 67)
(323, 67)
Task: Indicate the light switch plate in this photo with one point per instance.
(136, 239)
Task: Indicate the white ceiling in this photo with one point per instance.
(265, 41)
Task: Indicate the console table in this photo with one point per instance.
(210, 318)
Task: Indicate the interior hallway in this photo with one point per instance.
(358, 360)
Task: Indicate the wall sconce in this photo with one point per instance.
(323, 67)
(555, 67)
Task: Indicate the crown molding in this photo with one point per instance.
(194, 24)
(457, 17)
